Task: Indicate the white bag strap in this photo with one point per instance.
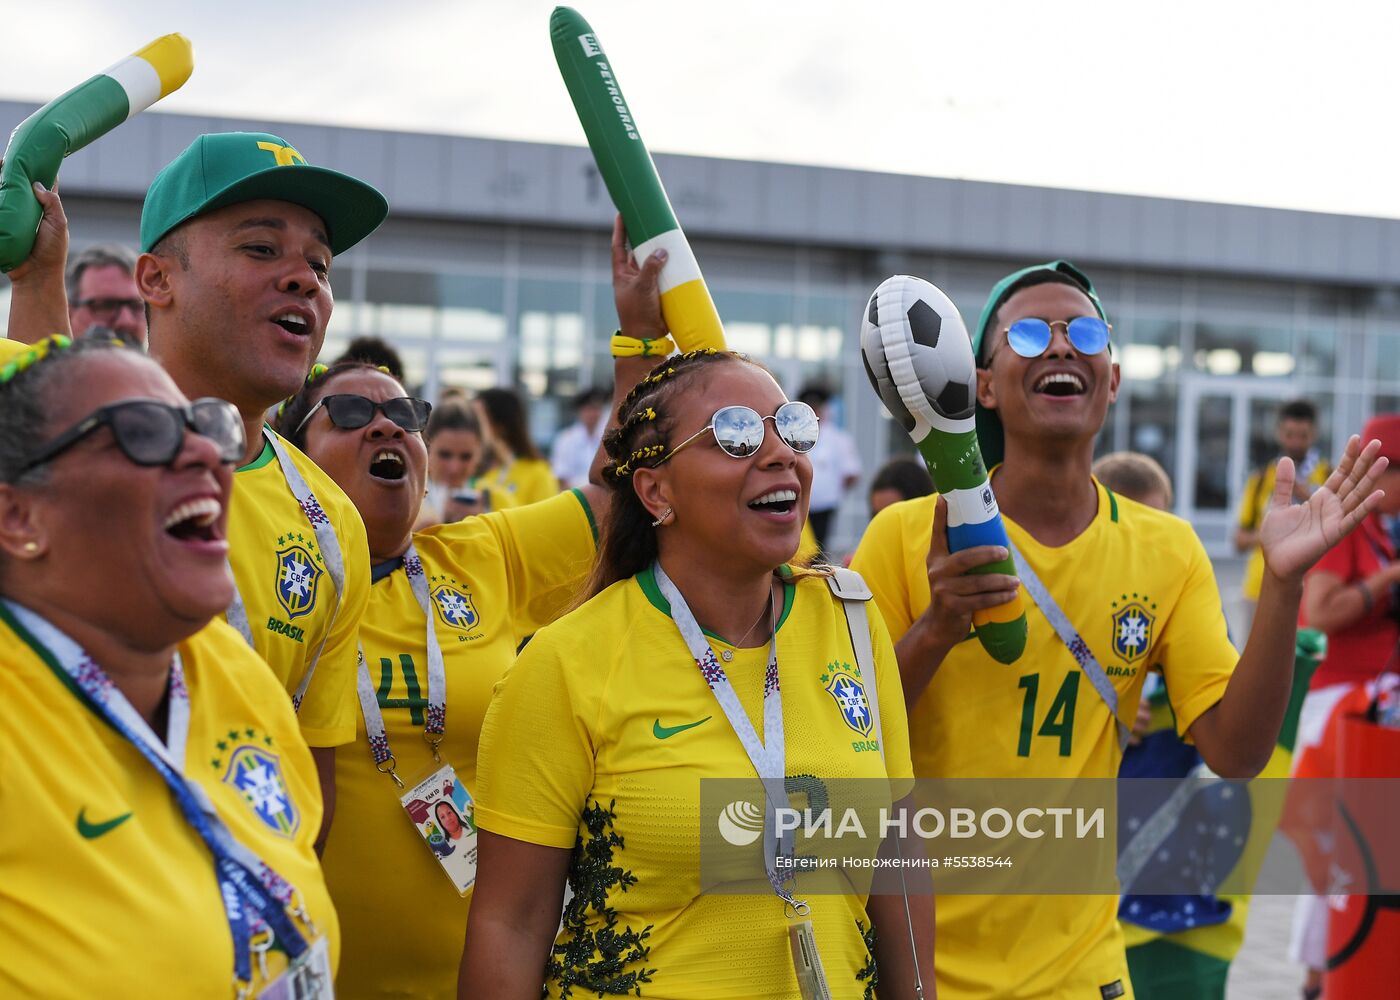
(849, 587)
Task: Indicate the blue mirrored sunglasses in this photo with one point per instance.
(1030, 337)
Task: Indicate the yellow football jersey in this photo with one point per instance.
(1139, 588)
(604, 728)
(288, 593)
(105, 889)
(493, 580)
(524, 480)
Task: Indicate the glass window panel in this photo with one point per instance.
(473, 307)
(1317, 351)
(551, 338)
(410, 287)
(465, 369)
(1152, 421)
(1225, 349)
(1387, 364)
(1212, 486)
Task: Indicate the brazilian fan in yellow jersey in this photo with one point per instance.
(523, 473)
(1137, 586)
(492, 581)
(238, 235)
(594, 748)
(113, 565)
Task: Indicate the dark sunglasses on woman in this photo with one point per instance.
(149, 432)
(350, 412)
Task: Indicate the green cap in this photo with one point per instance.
(225, 168)
(990, 436)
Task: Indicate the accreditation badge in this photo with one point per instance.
(441, 810)
(811, 977)
(307, 978)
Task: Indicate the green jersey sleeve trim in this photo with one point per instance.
(646, 580)
(588, 512)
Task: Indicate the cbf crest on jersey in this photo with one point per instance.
(1133, 622)
(255, 772)
(843, 684)
(298, 574)
(453, 602)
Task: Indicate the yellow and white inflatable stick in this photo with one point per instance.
(68, 123)
(632, 180)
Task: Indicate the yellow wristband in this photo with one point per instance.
(636, 347)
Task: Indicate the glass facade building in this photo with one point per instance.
(474, 292)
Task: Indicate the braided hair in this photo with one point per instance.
(295, 407)
(645, 419)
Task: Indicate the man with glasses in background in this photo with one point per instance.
(102, 293)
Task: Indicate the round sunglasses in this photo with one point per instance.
(1031, 336)
(153, 433)
(350, 412)
(739, 430)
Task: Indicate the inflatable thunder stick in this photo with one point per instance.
(919, 359)
(68, 123)
(632, 180)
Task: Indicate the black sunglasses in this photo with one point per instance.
(153, 433)
(350, 412)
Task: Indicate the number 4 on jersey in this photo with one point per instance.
(1059, 718)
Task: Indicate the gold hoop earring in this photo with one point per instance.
(666, 515)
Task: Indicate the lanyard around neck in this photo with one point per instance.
(255, 897)
(326, 541)
(768, 755)
(437, 681)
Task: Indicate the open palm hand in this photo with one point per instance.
(1294, 536)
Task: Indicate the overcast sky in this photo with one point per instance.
(1287, 103)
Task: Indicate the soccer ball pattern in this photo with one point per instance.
(918, 356)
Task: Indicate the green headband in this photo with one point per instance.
(31, 356)
(990, 435)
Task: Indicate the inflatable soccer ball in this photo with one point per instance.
(918, 356)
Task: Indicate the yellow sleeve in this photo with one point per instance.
(535, 481)
(329, 710)
(894, 719)
(1195, 652)
(549, 548)
(535, 760)
(887, 557)
(1250, 505)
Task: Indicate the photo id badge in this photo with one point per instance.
(811, 979)
(307, 978)
(441, 809)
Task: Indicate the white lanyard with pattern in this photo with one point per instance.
(256, 898)
(768, 756)
(437, 681)
(326, 541)
(1073, 641)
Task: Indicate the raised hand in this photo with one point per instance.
(50, 253)
(1294, 536)
(955, 592)
(635, 291)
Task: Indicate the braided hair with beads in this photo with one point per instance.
(627, 539)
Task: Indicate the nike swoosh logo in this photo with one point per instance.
(666, 732)
(91, 831)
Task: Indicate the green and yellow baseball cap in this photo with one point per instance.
(225, 168)
(990, 435)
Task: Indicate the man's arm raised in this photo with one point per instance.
(38, 300)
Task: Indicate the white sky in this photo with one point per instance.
(1287, 103)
